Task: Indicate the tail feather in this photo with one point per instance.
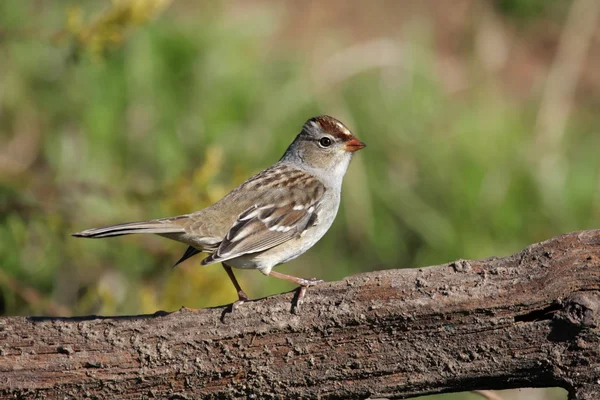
(155, 226)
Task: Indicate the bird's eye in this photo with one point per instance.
(325, 142)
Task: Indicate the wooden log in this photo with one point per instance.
(527, 320)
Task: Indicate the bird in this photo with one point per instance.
(273, 217)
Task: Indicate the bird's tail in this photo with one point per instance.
(159, 226)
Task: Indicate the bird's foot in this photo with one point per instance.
(242, 298)
(299, 298)
(309, 282)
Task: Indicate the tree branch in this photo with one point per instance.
(528, 320)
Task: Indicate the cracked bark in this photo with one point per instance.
(527, 320)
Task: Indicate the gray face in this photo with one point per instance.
(324, 145)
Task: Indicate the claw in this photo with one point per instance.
(304, 283)
(242, 298)
(235, 305)
(299, 299)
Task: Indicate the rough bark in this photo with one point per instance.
(528, 320)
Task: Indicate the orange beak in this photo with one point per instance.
(353, 145)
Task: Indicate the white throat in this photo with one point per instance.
(332, 176)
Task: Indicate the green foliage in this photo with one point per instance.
(527, 10)
(179, 110)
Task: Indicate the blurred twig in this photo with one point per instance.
(557, 101)
(348, 62)
(488, 394)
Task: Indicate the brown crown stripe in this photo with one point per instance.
(332, 126)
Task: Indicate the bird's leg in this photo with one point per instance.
(242, 297)
(304, 284)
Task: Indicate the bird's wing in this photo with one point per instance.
(270, 221)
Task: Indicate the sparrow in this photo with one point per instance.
(273, 217)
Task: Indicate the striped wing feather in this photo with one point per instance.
(264, 226)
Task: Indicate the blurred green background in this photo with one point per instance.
(481, 119)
